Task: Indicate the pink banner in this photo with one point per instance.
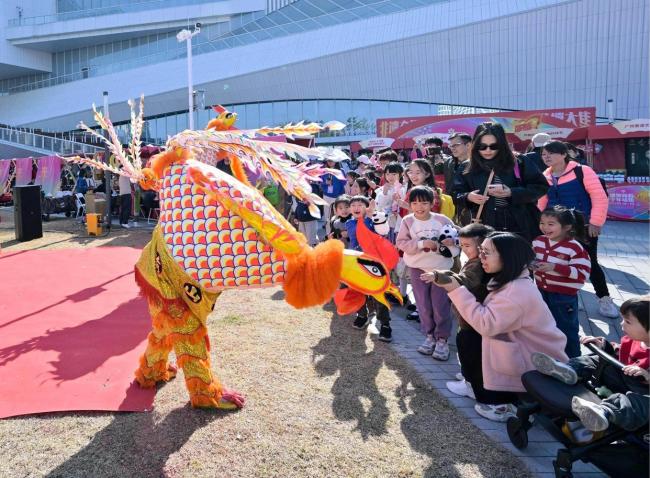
(23, 171)
(49, 174)
(629, 202)
(5, 166)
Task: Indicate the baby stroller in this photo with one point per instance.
(619, 453)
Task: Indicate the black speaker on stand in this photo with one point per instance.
(27, 212)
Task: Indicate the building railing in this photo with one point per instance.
(95, 12)
(247, 34)
(47, 143)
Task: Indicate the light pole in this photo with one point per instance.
(107, 174)
(186, 35)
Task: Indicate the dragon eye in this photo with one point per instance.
(375, 268)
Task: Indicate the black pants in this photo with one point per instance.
(383, 314)
(469, 345)
(597, 276)
(125, 208)
(613, 378)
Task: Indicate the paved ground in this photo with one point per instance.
(624, 253)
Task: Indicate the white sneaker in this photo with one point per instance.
(125, 226)
(554, 368)
(441, 352)
(459, 376)
(607, 307)
(427, 346)
(372, 328)
(464, 389)
(496, 413)
(590, 414)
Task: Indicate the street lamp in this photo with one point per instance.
(186, 35)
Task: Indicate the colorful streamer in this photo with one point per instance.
(5, 166)
(49, 174)
(23, 171)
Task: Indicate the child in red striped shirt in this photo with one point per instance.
(561, 268)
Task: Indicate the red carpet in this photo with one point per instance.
(72, 328)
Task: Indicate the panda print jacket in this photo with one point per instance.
(413, 232)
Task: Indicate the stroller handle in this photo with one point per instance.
(605, 356)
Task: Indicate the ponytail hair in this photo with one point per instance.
(568, 217)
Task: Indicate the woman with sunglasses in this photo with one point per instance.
(589, 197)
(511, 199)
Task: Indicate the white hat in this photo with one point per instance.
(364, 159)
(330, 153)
(540, 139)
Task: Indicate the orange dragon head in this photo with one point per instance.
(367, 273)
(224, 121)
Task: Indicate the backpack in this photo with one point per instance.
(580, 176)
(272, 195)
(302, 212)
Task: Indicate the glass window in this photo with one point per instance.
(309, 111)
(203, 118)
(293, 28)
(266, 114)
(294, 14)
(326, 110)
(418, 109)
(361, 118)
(380, 109)
(182, 122)
(309, 9)
(398, 109)
(387, 7)
(343, 111)
(253, 116)
(280, 113)
(170, 122)
(294, 111)
(328, 6)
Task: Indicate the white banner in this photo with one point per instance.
(376, 143)
(632, 126)
(555, 133)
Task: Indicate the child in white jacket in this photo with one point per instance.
(418, 238)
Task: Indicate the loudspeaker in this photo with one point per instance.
(27, 212)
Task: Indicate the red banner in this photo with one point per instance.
(561, 123)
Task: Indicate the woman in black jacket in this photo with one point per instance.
(511, 199)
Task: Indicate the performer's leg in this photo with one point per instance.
(192, 348)
(153, 363)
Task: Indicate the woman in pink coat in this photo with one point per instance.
(513, 320)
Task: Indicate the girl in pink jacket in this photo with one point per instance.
(513, 320)
(586, 195)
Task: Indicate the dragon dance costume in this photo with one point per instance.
(218, 232)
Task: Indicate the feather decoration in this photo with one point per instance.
(263, 156)
(131, 163)
(137, 125)
(291, 130)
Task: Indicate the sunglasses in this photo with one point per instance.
(493, 147)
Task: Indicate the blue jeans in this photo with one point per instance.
(565, 312)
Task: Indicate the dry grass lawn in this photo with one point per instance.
(323, 400)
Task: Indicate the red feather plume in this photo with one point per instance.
(375, 245)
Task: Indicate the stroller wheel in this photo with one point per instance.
(561, 472)
(517, 433)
